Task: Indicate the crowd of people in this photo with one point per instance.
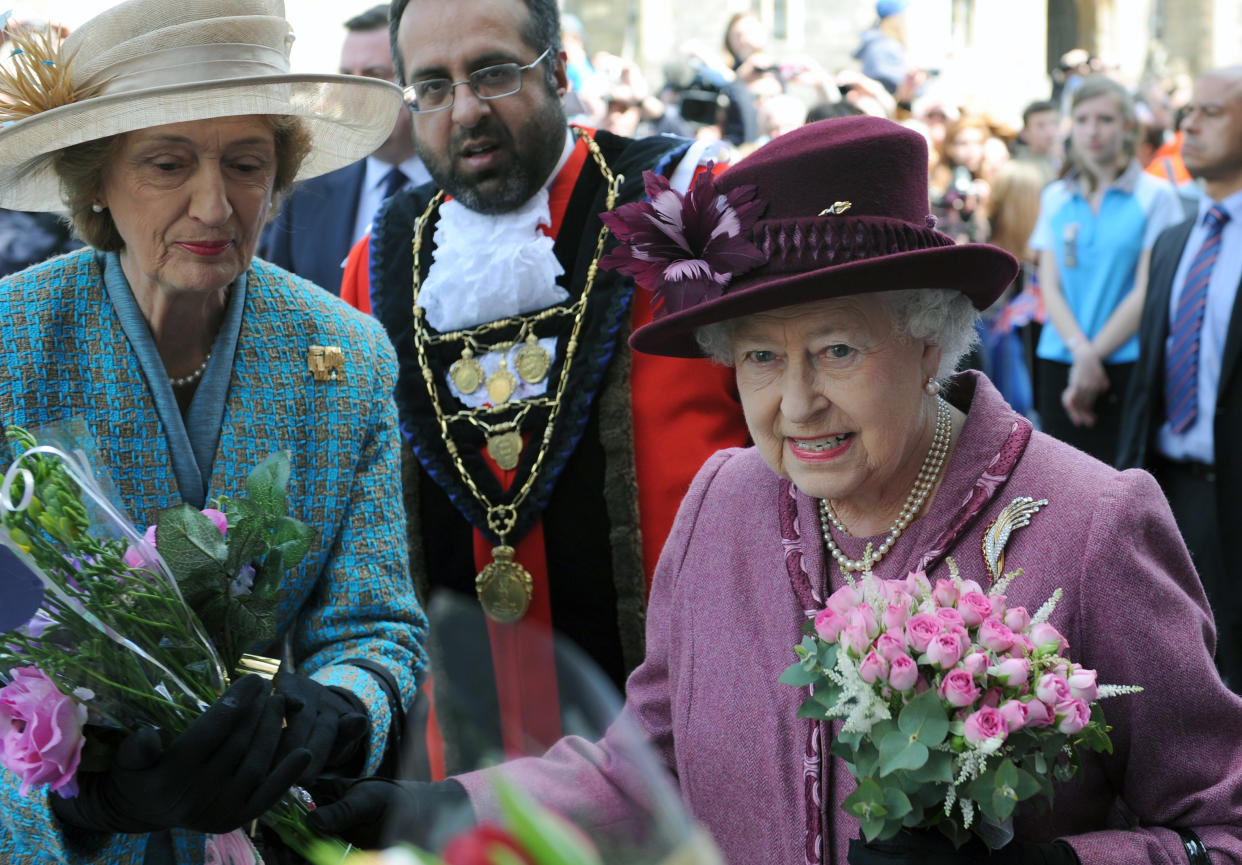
(655, 370)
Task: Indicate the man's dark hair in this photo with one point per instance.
(373, 19)
(1039, 106)
(542, 30)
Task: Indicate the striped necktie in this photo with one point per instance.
(1181, 374)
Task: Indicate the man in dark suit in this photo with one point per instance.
(326, 216)
(1183, 420)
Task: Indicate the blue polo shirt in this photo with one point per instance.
(1098, 253)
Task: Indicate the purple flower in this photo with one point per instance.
(685, 249)
(40, 732)
(230, 849)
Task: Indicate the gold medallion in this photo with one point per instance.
(505, 449)
(532, 361)
(501, 384)
(504, 587)
(467, 373)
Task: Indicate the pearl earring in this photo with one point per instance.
(97, 208)
(932, 386)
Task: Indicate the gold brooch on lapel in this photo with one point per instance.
(1012, 517)
(837, 208)
(324, 362)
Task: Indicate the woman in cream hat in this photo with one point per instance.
(166, 130)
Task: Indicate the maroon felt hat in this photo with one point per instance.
(831, 209)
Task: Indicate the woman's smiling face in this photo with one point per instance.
(834, 399)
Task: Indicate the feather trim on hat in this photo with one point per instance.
(41, 78)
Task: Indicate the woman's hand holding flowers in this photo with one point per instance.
(330, 723)
(932, 848)
(225, 770)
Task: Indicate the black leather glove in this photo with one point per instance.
(929, 847)
(377, 812)
(331, 723)
(220, 774)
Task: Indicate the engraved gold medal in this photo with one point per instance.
(467, 373)
(504, 587)
(500, 385)
(532, 361)
(505, 449)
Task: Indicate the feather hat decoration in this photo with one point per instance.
(39, 78)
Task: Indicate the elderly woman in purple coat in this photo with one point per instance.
(844, 315)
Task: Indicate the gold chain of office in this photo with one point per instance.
(504, 586)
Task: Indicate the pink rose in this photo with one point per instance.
(1017, 619)
(1082, 684)
(1037, 713)
(1047, 639)
(895, 616)
(1013, 671)
(895, 592)
(230, 849)
(945, 593)
(950, 617)
(133, 557)
(970, 586)
(217, 517)
(944, 651)
(40, 732)
(873, 668)
(1015, 714)
(991, 697)
(890, 644)
(976, 663)
(1052, 689)
(917, 584)
(920, 629)
(998, 606)
(958, 689)
(1022, 646)
(843, 600)
(995, 635)
(856, 640)
(902, 672)
(1072, 715)
(828, 625)
(986, 729)
(974, 607)
(863, 617)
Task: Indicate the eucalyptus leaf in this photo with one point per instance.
(924, 718)
(1027, 785)
(897, 803)
(866, 802)
(811, 708)
(937, 769)
(798, 676)
(898, 751)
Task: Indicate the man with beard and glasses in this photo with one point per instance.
(547, 461)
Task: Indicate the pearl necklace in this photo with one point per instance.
(928, 473)
(192, 377)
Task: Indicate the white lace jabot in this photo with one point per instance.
(486, 267)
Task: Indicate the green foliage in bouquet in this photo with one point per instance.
(232, 579)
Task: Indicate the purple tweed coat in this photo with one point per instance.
(723, 620)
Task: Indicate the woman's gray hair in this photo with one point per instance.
(940, 316)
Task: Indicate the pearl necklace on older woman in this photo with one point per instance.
(929, 472)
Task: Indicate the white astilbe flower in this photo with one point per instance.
(1105, 691)
(1002, 585)
(1042, 614)
(858, 704)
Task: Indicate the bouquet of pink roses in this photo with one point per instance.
(953, 703)
(106, 630)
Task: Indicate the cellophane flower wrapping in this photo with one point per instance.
(105, 643)
(954, 706)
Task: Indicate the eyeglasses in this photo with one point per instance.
(490, 82)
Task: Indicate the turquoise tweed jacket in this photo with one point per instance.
(68, 358)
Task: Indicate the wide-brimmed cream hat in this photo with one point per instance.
(148, 63)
